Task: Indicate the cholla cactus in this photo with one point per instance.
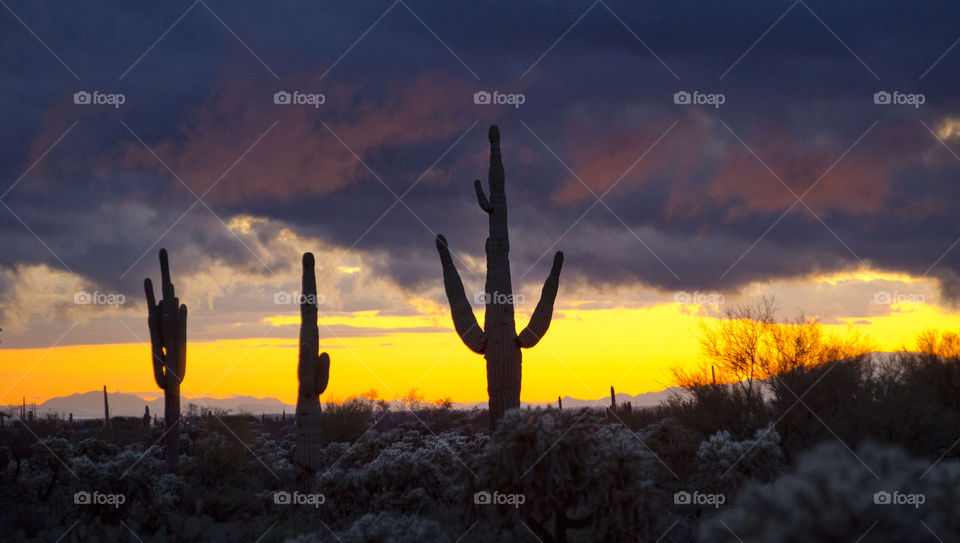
(498, 340)
(724, 464)
(574, 473)
(879, 494)
(168, 339)
(313, 370)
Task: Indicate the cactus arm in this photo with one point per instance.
(169, 332)
(153, 323)
(165, 283)
(481, 197)
(543, 314)
(323, 373)
(172, 324)
(182, 343)
(464, 320)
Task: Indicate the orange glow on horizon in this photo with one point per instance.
(584, 353)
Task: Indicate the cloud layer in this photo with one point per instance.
(798, 172)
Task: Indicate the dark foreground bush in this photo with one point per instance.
(880, 494)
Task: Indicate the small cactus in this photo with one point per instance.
(313, 371)
(106, 410)
(168, 339)
(618, 414)
(498, 340)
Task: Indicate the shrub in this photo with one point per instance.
(724, 464)
(830, 496)
(572, 474)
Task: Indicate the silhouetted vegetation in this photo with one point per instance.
(788, 432)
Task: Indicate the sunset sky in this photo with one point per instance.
(802, 183)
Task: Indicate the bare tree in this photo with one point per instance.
(736, 346)
(939, 343)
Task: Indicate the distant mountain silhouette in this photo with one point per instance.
(89, 405)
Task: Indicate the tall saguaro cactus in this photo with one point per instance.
(498, 340)
(168, 339)
(313, 371)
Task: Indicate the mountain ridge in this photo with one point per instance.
(89, 405)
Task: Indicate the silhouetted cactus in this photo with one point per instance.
(106, 409)
(313, 371)
(168, 339)
(498, 340)
(618, 413)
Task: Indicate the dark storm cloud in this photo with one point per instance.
(402, 101)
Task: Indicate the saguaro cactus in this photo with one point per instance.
(498, 340)
(106, 409)
(168, 339)
(617, 413)
(313, 371)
